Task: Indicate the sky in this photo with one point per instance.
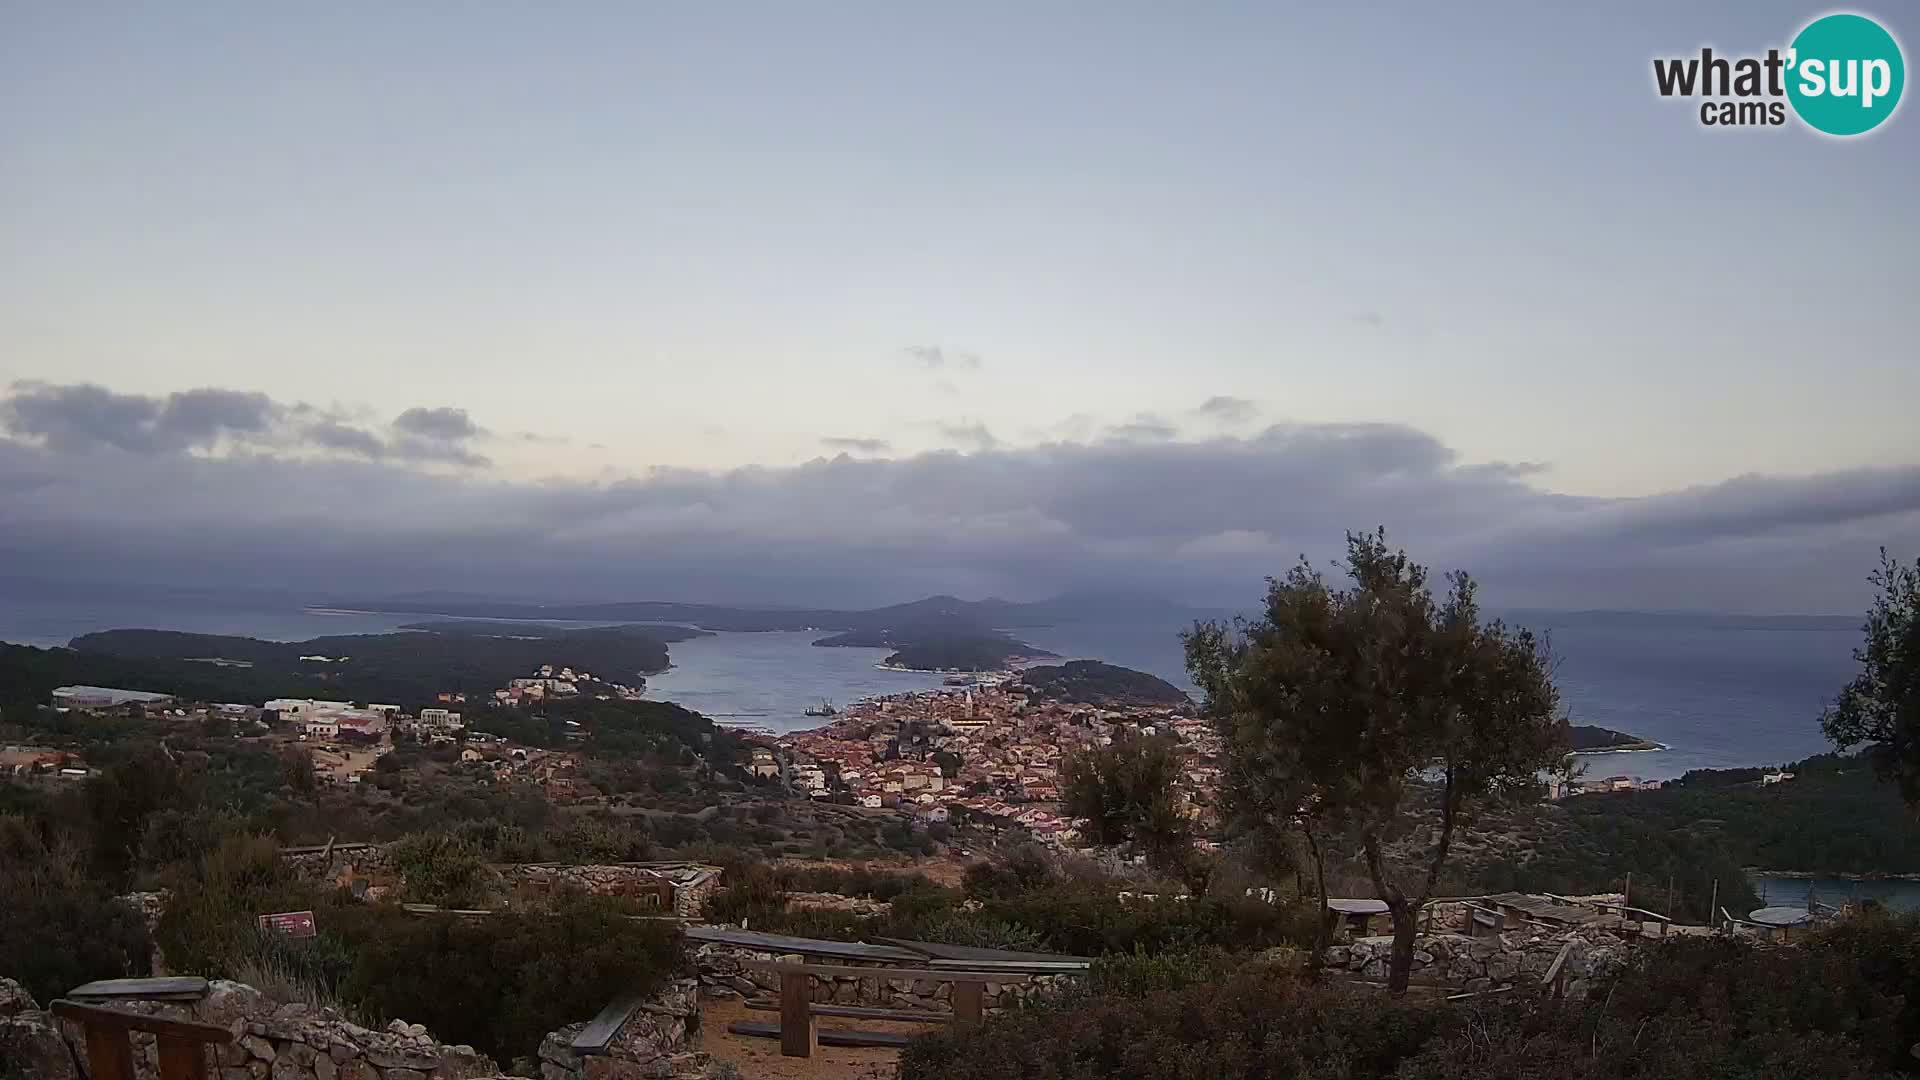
(853, 302)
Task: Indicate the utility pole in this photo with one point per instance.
(1713, 909)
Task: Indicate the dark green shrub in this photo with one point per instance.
(58, 926)
(501, 983)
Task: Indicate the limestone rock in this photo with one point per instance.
(33, 1045)
(15, 999)
(228, 1003)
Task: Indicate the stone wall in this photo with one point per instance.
(1485, 963)
(723, 974)
(292, 1042)
(685, 891)
(655, 1042)
(680, 888)
(339, 863)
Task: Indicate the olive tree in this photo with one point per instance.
(1128, 792)
(1346, 708)
(1881, 706)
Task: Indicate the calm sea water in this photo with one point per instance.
(1717, 693)
(1792, 892)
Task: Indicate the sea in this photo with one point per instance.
(1715, 691)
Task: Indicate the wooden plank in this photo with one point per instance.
(1480, 993)
(109, 1053)
(886, 972)
(799, 1035)
(115, 1020)
(828, 1036)
(862, 1012)
(140, 988)
(1553, 973)
(182, 1059)
(969, 1005)
(600, 1030)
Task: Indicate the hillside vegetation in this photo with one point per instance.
(405, 669)
(1090, 682)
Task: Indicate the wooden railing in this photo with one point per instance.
(109, 1033)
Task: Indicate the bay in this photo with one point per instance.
(1792, 892)
(1718, 692)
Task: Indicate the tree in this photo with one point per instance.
(1126, 792)
(1881, 706)
(1349, 707)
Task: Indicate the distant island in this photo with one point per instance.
(991, 612)
(940, 646)
(1090, 682)
(535, 631)
(1587, 739)
(405, 668)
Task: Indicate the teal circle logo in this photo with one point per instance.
(1845, 74)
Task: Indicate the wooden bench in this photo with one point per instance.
(599, 1032)
(799, 1034)
(109, 1032)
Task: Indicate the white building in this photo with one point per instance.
(297, 708)
(103, 697)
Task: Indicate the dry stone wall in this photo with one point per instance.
(654, 1044)
(295, 1042)
(1485, 963)
(723, 973)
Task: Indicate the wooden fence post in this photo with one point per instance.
(969, 999)
(799, 1034)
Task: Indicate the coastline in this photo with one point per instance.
(1808, 875)
(1643, 748)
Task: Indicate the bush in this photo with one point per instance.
(442, 869)
(211, 922)
(58, 927)
(1835, 1006)
(1131, 975)
(1254, 1023)
(503, 982)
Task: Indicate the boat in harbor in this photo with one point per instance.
(825, 708)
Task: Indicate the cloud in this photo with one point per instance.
(84, 418)
(1143, 428)
(445, 424)
(856, 445)
(1199, 520)
(1232, 410)
(936, 358)
(1370, 318)
(334, 435)
(972, 435)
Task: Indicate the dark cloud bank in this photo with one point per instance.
(216, 487)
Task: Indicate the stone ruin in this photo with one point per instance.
(1486, 963)
(305, 1042)
(655, 1043)
(271, 1041)
(724, 974)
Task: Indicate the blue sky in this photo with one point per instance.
(626, 237)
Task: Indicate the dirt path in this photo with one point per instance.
(759, 1059)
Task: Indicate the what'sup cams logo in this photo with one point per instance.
(1842, 75)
